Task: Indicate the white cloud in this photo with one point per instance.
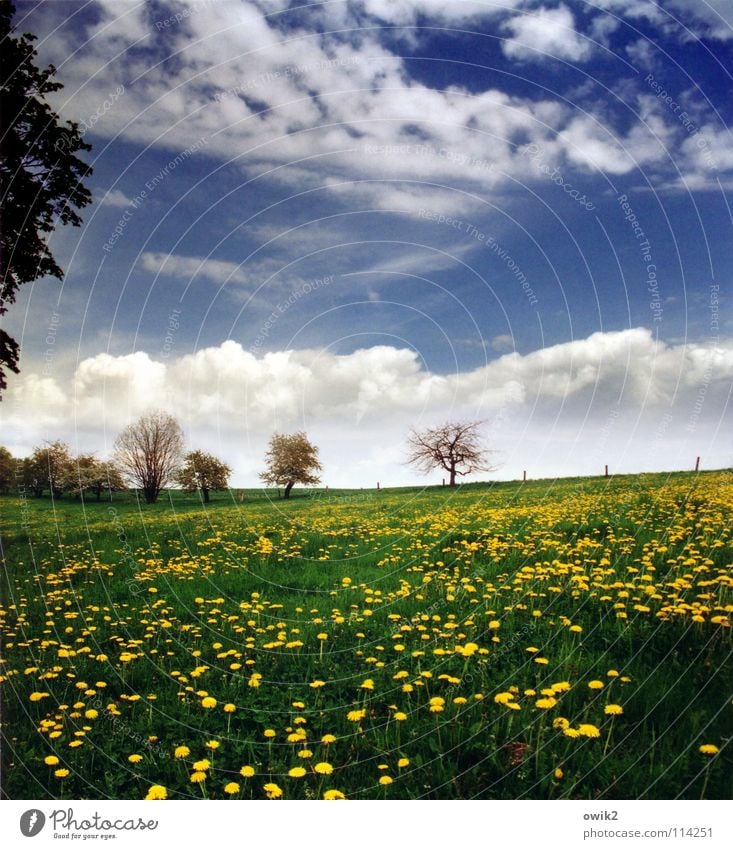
(228, 398)
(307, 107)
(542, 33)
(115, 198)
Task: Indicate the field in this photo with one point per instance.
(554, 639)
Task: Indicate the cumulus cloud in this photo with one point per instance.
(545, 33)
(267, 96)
(228, 397)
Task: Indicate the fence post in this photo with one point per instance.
(697, 465)
(606, 469)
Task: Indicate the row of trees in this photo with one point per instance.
(149, 456)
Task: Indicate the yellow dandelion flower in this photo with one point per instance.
(134, 759)
(708, 749)
(323, 768)
(208, 702)
(157, 791)
(213, 744)
(231, 788)
(269, 733)
(247, 771)
(61, 773)
(613, 710)
(596, 685)
(181, 752)
(272, 791)
(197, 777)
(546, 703)
(385, 779)
(327, 739)
(229, 708)
(296, 772)
(367, 684)
(403, 762)
(202, 765)
(333, 794)
(587, 730)
(356, 715)
(400, 716)
(559, 774)
(50, 760)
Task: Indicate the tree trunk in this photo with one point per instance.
(288, 487)
(205, 493)
(151, 496)
(452, 475)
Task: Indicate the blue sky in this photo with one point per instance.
(354, 217)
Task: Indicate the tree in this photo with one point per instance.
(454, 446)
(88, 474)
(203, 472)
(7, 470)
(49, 466)
(291, 459)
(40, 175)
(148, 452)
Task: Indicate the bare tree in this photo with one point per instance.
(456, 447)
(291, 459)
(148, 452)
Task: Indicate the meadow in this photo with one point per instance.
(563, 639)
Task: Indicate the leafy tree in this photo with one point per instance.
(88, 474)
(50, 465)
(291, 459)
(203, 472)
(455, 447)
(7, 470)
(40, 175)
(25, 477)
(148, 452)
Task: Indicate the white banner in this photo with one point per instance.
(362, 825)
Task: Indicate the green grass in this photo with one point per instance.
(160, 600)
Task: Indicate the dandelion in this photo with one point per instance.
(403, 762)
(232, 788)
(213, 745)
(708, 749)
(208, 702)
(305, 754)
(613, 710)
(197, 777)
(333, 794)
(385, 779)
(247, 771)
(61, 773)
(134, 759)
(323, 768)
(202, 765)
(400, 716)
(596, 685)
(317, 684)
(229, 708)
(50, 760)
(367, 684)
(296, 772)
(181, 752)
(503, 698)
(272, 791)
(156, 791)
(356, 715)
(546, 703)
(560, 723)
(327, 739)
(558, 774)
(269, 733)
(587, 730)
(571, 732)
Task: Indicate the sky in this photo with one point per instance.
(355, 218)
